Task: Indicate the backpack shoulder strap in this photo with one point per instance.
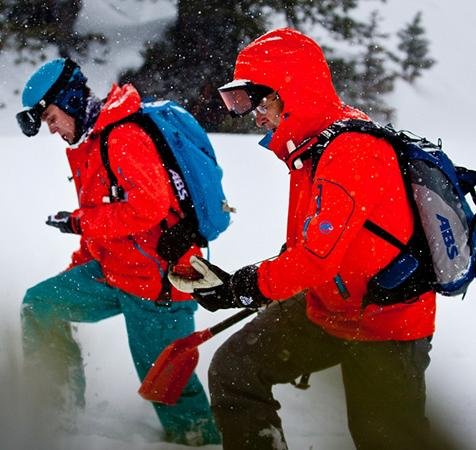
(467, 181)
(116, 192)
(176, 240)
(314, 148)
(173, 169)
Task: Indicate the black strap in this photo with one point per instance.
(384, 234)
(176, 240)
(116, 192)
(61, 82)
(467, 181)
(166, 154)
(316, 150)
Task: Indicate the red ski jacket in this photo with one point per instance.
(123, 236)
(330, 255)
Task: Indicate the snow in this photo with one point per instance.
(33, 180)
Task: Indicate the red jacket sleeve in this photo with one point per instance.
(80, 256)
(135, 161)
(350, 181)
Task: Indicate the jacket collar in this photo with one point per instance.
(121, 102)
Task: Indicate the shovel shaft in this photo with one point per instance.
(230, 321)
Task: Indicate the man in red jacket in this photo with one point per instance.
(117, 268)
(328, 259)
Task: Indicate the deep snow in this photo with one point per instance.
(33, 181)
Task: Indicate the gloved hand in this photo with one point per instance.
(218, 289)
(64, 222)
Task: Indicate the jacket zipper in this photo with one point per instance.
(147, 255)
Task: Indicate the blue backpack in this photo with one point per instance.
(441, 254)
(194, 174)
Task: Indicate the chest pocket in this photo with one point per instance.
(329, 213)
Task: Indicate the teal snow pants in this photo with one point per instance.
(81, 295)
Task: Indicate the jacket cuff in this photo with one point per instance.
(75, 225)
(75, 221)
(244, 286)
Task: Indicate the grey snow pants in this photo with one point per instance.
(384, 382)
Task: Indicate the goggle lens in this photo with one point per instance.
(30, 120)
(237, 101)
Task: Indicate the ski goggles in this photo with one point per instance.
(242, 96)
(29, 120)
(263, 105)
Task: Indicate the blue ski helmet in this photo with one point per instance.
(59, 82)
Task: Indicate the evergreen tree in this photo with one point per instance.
(28, 26)
(200, 48)
(197, 53)
(368, 78)
(415, 48)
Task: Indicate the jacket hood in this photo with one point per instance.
(121, 102)
(294, 65)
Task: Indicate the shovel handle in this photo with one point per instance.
(230, 321)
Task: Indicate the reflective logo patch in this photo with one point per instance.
(327, 217)
(246, 300)
(326, 227)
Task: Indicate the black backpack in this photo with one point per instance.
(440, 255)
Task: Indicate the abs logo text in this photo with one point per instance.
(448, 237)
(179, 185)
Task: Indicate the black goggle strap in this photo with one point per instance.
(30, 119)
(56, 87)
(60, 83)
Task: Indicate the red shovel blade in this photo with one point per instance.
(170, 373)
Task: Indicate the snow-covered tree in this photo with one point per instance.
(29, 26)
(200, 49)
(364, 80)
(198, 55)
(196, 52)
(415, 48)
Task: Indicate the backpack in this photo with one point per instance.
(194, 173)
(441, 253)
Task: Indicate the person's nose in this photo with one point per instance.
(260, 119)
(51, 126)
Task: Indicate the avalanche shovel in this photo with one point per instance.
(172, 369)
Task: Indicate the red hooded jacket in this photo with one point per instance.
(123, 236)
(357, 178)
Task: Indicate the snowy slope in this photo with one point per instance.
(33, 183)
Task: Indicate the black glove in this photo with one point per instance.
(217, 296)
(64, 222)
(218, 289)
